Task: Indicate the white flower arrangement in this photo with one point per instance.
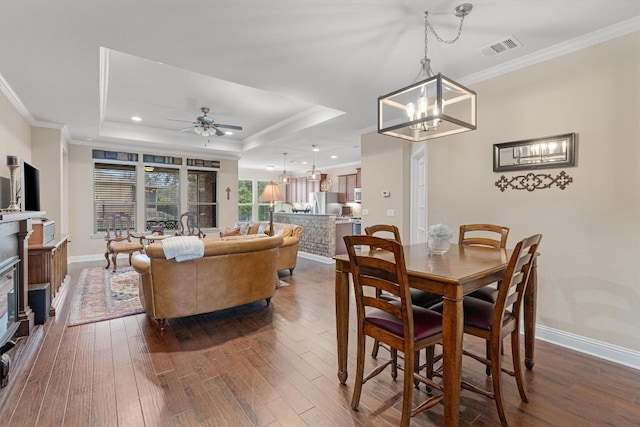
(440, 232)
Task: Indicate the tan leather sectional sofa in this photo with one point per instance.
(291, 236)
(231, 273)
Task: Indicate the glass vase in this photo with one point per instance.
(438, 246)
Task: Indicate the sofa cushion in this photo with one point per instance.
(230, 232)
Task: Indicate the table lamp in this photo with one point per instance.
(271, 194)
(13, 165)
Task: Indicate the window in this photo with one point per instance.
(203, 196)
(263, 208)
(249, 206)
(245, 200)
(162, 197)
(114, 192)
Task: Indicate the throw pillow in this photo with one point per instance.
(244, 228)
(231, 232)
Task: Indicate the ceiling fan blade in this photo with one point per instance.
(188, 129)
(185, 121)
(229, 126)
(219, 132)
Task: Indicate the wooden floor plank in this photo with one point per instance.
(275, 365)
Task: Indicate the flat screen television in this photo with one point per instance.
(30, 187)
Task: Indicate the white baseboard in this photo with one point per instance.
(314, 257)
(602, 350)
(86, 258)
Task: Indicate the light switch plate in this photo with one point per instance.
(391, 212)
(365, 212)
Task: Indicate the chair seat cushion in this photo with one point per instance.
(477, 313)
(424, 299)
(426, 322)
(124, 246)
(488, 293)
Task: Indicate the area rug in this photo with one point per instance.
(102, 295)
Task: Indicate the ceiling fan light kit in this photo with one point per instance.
(207, 126)
(434, 105)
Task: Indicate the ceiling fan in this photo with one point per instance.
(206, 126)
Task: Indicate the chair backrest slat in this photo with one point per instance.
(382, 269)
(514, 281)
(478, 235)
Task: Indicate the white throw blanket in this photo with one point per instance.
(183, 248)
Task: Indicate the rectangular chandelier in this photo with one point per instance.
(431, 108)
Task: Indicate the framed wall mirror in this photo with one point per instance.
(540, 153)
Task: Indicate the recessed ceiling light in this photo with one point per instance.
(270, 167)
(334, 157)
(316, 149)
(136, 119)
(228, 132)
(304, 163)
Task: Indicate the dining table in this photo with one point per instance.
(457, 272)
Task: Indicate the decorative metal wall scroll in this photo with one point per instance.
(534, 181)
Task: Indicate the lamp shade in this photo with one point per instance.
(271, 193)
(431, 108)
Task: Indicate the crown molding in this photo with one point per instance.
(5, 88)
(578, 43)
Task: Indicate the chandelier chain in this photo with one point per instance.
(425, 66)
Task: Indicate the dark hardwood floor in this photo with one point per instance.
(271, 366)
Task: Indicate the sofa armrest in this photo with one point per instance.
(141, 263)
(289, 241)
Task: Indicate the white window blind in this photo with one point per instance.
(114, 192)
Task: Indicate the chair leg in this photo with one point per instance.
(106, 255)
(291, 272)
(430, 355)
(130, 257)
(394, 365)
(407, 394)
(488, 351)
(357, 387)
(497, 385)
(517, 364)
(114, 257)
(376, 347)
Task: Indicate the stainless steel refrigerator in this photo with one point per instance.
(324, 203)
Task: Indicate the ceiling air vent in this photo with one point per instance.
(501, 46)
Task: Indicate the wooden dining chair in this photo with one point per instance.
(190, 225)
(396, 322)
(118, 237)
(488, 235)
(495, 321)
(418, 297)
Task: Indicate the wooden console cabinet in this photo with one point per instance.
(48, 263)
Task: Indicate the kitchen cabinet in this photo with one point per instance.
(346, 185)
(358, 178)
(299, 189)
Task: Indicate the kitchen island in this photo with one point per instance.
(322, 235)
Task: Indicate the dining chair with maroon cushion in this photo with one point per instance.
(395, 322)
(491, 236)
(495, 321)
(418, 297)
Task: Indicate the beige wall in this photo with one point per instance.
(15, 135)
(386, 164)
(589, 270)
(48, 154)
